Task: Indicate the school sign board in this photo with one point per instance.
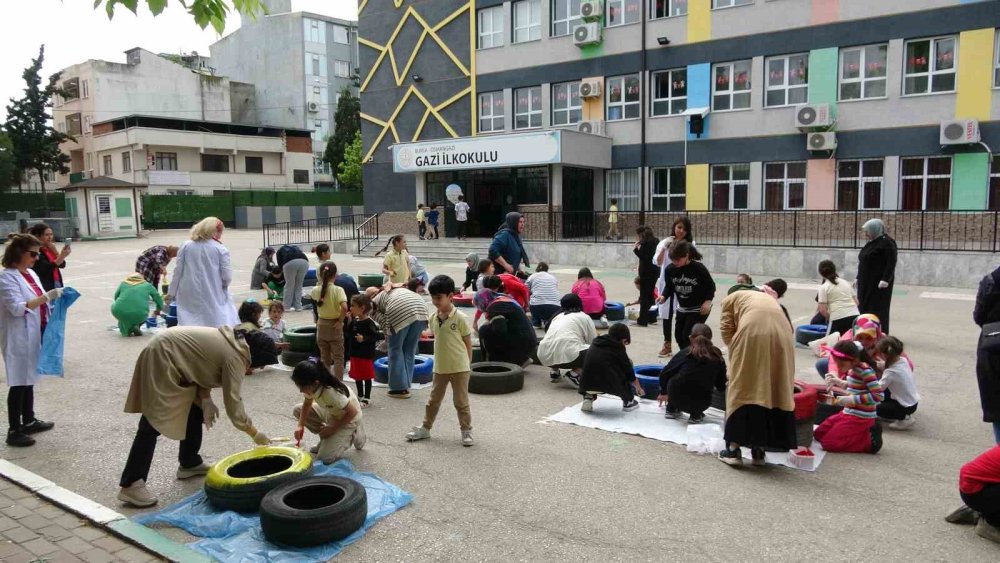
(491, 151)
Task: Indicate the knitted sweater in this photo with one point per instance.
(864, 392)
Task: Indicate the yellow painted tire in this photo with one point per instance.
(239, 482)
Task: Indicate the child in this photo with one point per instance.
(979, 487)
(491, 288)
(471, 262)
(901, 395)
(330, 410)
(544, 300)
(686, 382)
(421, 221)
(513, 286)
(331, 306)
(656, 294)
(607, 369)
(417, 270)
(275, 284)
(416, 285)
(462, 218)
(836, 299)
(856, 428)
(432, 221)
(613, 233)
(452, 357)
(396, 265)
(274, 326)
(694, 288)
(485, 269)
(591, 292)
(744, 279)
(364, 333)
(131, 305)
(249, 314)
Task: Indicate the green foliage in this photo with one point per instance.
(204, 12)
(8, 168)
(347, 123)
(349, 171)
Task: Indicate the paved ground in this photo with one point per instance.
(531, 491)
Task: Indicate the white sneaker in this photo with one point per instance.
(418, 433)
(137, 494)
(904, 424)
(196, 471)
(360, 438)
(588, 405)
(467, 438)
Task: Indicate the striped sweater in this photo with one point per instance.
(396, 309)
(864, 392)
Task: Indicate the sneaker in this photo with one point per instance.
(18, 439)
(554, 376)
(399, 394)
(904, 424)
(672, 413)
(418, 433)
(573, 378)
(137, 494)
(360, 437)
(631, 405)
(696, 418)
(588, 403)
(467, 439)
(665, 351)
(962, 515)
(757, 457)
(36, 426)
(196, 471)
(876, 433)
(365, 403)
(985, 530)
(731, 457)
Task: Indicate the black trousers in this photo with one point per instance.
(668, 323)
(684, 323)
(986, 502)
(646, 301)
(364, 388)
(140, 457)
(541, 315)
(20, 406)
(843, 325)
(422, 228)
(891, 409)
(462, 228)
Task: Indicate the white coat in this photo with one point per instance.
(201, 285)
(568, 335)
(20, 327)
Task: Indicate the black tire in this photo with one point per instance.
(477, 355)
(313, 511)
(247, 497)
(302, 339)
(292, 359)
(719, 399)
(425, 346)
(825, 411)
(495, 378)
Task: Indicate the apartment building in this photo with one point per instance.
(299, 62)
(694, 104)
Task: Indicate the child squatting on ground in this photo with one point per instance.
(274, 326)
(686, 382)
(452, 358)
(608, 369)
(329, 410)
(901, 396)
(364, 334)
(856, 429)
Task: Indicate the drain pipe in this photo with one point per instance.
(643, 102)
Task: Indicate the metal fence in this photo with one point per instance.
(362, 229)
(966, 231)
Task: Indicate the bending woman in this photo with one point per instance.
(565, 344)
(507, 335)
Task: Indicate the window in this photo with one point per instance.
(316, 65)
(490, 27)
(87, 125)
(491, 112)
(926, 183)
(566, 106)
(668, 8)
(180, 192)
(300, 176)
(787, 80)
(532, 185)
(994, 197)
(716, 4)
(623, 97)
(565, 16)
(320, 166)
(315, 30)
(669, 92)
(669, 189)
(106, 161)
(863, 72)
(71, 89)
(320, 130)
(622, 185)
(85, 89)
(730, 186)
(73, 124)
(930, 66)
(214, 163)
(126, 162)
(621, 12)
(859, 184)
(342, 69)
(254, 164)
(166, 161)
(528, 107)
(341, 35)
(731, 89)
(527, 20)
(784, 185)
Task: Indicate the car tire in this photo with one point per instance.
(806, 399)
(805, 334)
(171, 320)
(426, 346)
(302, 339)
(313, 511)
(370, 280)
(614, 310)
(292, 359)
(649, 377)
(239, 482)
(423, 368)
(462, 301)
(495, 378)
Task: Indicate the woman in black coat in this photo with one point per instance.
(987, 311)
(507, 335)
(649, 272)
(876, 272)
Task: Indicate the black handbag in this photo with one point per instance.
(991, 337)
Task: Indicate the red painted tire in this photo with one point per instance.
(462, 300)
(805, 398)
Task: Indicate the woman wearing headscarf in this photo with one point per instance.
(987, 311)
(202, 277)
(507, 334)
(760, 410)
(876, 271)
(262, 268)
(131, 305)
(570, 334)
(471, 273)
(507, 251)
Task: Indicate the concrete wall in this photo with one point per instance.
(257, 217)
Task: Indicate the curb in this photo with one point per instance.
(101, 516)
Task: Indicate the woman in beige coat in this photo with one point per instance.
(759, 405)
(171, 388)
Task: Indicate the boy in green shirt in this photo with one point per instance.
(452, 357)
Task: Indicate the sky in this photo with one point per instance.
(73, 32)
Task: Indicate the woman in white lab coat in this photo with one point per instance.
(200, 285)
(23, 313)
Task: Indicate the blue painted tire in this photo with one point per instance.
(171, 320)
(382, 370)
(614, 310)
(805, 334)
(423, 369)
(310, 274)
(172, 310)
(649, 377)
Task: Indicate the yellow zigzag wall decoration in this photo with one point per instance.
(363, 3)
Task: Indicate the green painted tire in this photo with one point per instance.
(302, 339)
(370, 280)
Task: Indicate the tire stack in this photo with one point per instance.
(301, 345)
(239, 482)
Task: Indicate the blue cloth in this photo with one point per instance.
(402, 351)
(50, 359)
(234, 537)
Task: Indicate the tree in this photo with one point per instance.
(204, 12)
(36, 142)
(347, 123)
(8, 167)
(349, 170)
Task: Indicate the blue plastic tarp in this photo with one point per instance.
(50, 359)
(233, 537)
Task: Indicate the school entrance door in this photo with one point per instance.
(490, 193)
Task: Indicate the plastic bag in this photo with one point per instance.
(50, 359)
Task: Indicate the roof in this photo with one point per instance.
(102, 182)
(182, 124)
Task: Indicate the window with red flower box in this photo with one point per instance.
(929, 66)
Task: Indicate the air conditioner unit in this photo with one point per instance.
(313, 107)
(821, 141)
(587, 34)
(813, 115)
(959, 132)
(592, 127)
(591, 10)
(592, 88)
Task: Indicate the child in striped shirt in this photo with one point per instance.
(856, 429)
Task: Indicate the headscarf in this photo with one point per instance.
(996, 275)
(510, 224)
(770, 291)
(874, 227)
(135, 279)
(483, 298)
(867, 324)
(472, 257)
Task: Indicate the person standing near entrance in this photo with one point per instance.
(507, 251)
(876, 272)
(421, 221)
(462, 218)
(613, 233)
(432, 222)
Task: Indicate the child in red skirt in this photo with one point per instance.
(855, 429)
(364, 334)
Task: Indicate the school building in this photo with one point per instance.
(671, 105)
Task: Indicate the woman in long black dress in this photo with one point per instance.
(645, 249)
(876, 272)
(507, 335)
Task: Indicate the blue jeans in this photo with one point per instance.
(402, 349)
(822, 367)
